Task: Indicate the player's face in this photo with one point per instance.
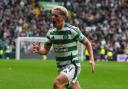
(58, 19)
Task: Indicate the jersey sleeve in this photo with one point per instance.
(79, 36)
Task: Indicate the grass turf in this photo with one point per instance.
(39, 74)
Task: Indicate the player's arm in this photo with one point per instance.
(88, 45)
(81, 38)
(42, 50)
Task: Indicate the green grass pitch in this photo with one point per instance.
(39, 74)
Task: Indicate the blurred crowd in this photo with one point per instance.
(104, 22)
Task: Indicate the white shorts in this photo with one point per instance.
(72, 71)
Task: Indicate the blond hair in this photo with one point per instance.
(62, 10)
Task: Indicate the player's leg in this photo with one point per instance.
(60, 81)
(72, 72)
(75, 85)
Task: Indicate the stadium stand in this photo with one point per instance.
(104, 22)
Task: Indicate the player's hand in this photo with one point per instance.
(93, 65)
(36, 47)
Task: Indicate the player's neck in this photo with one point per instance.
(60, 26)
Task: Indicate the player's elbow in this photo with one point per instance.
(87, 43)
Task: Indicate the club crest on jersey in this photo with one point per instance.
(65, 36)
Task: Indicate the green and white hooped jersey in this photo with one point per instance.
(64, 43)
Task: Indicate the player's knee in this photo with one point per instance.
(57, 84)
(75, 86)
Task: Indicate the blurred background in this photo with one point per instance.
(103, 22)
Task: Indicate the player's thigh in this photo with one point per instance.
(61, 79)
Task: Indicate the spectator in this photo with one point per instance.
(106, 21)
